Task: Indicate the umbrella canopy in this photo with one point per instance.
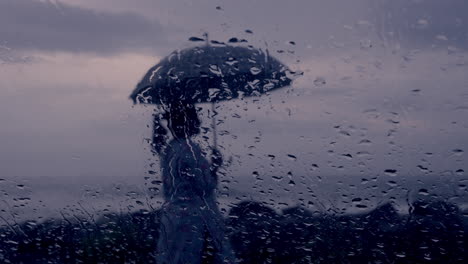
(211, 74)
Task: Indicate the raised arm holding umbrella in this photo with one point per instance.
(203, 74)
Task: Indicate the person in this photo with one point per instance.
(191, 225)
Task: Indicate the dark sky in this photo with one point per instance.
(395, 75)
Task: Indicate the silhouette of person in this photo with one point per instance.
(191, 225)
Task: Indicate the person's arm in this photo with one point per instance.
(199, 171)
(159, 142)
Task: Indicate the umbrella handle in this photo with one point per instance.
(213, 126)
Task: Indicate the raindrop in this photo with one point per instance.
(345, 133)
(291, 183)
(391, 121)
(255, 70)
(233, 40)
(213, 92)
(421, 167)
(392, 183)
(391, 172)
(218, 8)
(423, 192)
(365, 44)
(255, 174)
(20, 186)
(248, 31)
(458, 152)
(215, 42)
(215, 70)
(195, 39)
(319, 81)
(231, 61)
(277, 178)
(292, 157)
(365, 142)
(292, 42)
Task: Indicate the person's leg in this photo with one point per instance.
(225, 255)
(180, 240)
(190, 243)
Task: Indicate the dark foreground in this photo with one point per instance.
(433, 232)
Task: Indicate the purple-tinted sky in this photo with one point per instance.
(395, 75)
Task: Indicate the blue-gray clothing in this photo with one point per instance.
(190, 213)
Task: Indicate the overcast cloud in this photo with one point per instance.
(56, 26)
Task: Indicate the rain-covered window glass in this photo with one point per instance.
(215, 131)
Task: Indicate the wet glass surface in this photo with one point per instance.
(301, 131)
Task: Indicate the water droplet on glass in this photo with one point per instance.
(391, 172)
(231, 61)
(292, 157)
(277, 178)
(215, 70)
(423, 192)
(458, 152)
(366, 44)
(392, 183)
(365, 142)
(320, 81)
(215, 42)
(195, 39)
(255, 70)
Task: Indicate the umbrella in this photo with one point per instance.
(211, 74)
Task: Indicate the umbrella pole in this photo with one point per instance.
(213, 125)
